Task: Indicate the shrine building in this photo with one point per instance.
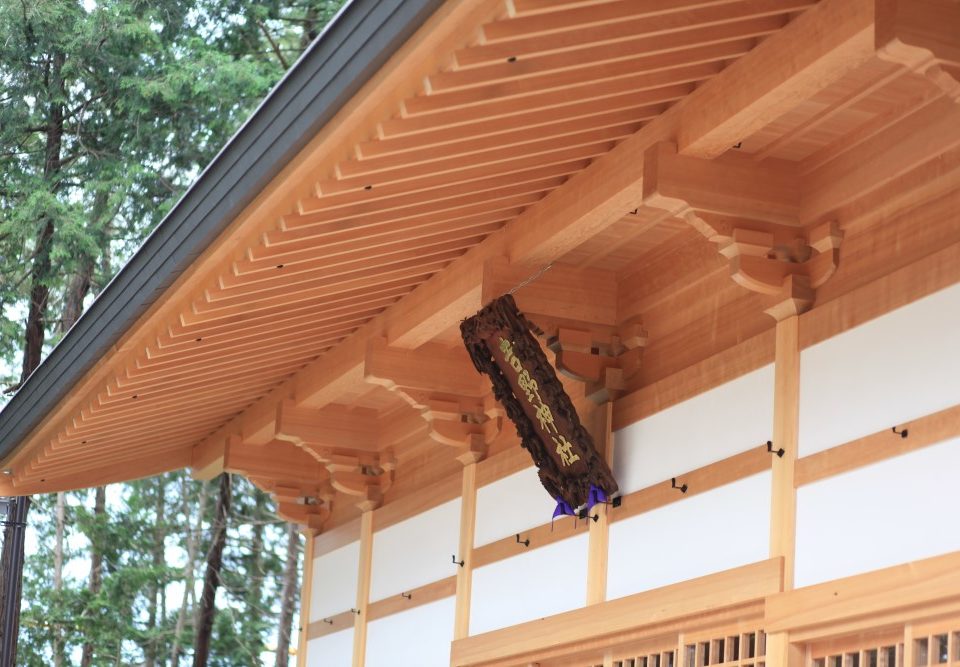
(735, 225)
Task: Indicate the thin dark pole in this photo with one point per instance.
(13, 543)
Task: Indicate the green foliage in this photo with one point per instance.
(117, 619)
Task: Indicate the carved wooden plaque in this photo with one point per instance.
(501, 344)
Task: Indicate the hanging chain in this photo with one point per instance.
(532, 278)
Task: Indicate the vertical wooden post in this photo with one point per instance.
(909, 660)
(783, 501)
(363, 589)
(786, 415)
(599, 544)
(781, 653)
(306, 588)
(468, 519)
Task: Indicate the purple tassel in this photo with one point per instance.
(563, 508)
(596, 497)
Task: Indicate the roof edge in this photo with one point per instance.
(352, 48)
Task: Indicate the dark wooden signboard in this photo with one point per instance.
(501, 344)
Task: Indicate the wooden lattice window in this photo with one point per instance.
(936, 645)
(659, 659)
(883, 653)
(741, 649)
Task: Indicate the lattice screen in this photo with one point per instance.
(744, 649)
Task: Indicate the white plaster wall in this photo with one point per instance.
(710, 532)
(511, 505)
(891, 512)
(712, 426)
(898, 367)
(415, 551)
(533, 584)
(334, 650)
(419, 637)
(334, 586)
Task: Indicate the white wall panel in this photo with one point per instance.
(419, 637)
(416, 551)
(888, 371)
(533, 584)
(891, 512)
(710, 532)
(511, 505)
(724, 421)
(335, 581)
(334, 650)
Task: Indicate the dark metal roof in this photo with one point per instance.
(351, 49)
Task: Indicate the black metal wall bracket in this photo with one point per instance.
(583, 515)
(673, 485)
(779, 452)
(455, 561)
(525, 542)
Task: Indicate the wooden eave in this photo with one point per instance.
(608, 148)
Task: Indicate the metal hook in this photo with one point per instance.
(902, 434)
(525, 542)
(407, 596)
(583, 515)
(673, 485)
(455, 561)
(328, 621)
(780, 452)
(354, 611)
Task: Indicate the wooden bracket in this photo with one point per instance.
(791, 274)
(300, 485)
(364, 478)
(923, 37)
(751, 213)
(445, 390)
(604, 361)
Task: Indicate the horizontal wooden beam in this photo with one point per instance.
(732, 185)
(885, 444)
(824, 43)
(817, 48)
(924, 134)
(902, 592)
(687, 599)
(432, 367)
(282, 462)
(563, 293)
(334, 427)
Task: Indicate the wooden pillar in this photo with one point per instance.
(783, 505)
(468, 518)
(781, 653)
(306, 588)
(599, 544)
(786, 413)
(363, 589)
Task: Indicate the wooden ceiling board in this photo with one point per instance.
(490, 129)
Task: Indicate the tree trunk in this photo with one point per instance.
(40, 268)
(157, 582)
(255, 574)
(192, 543)
(288, 596)
(211, 578)
(58, 656)
(96, 563)
(11, 583)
